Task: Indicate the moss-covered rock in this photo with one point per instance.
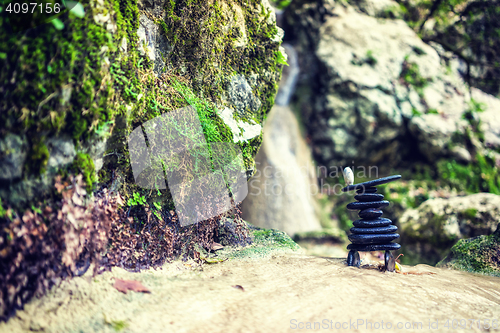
(97, 77)
(73, 89)
(479, 254)
(429, 231)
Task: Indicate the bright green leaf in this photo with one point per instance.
(58, 24)
(77, 9)
(281, 59)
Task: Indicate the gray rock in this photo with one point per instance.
(152, 43)
(241, 96)
(61, 152)
(372, 83)
(96, 148)
(280, 195)
(12, 156)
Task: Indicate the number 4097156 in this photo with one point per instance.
(33, 7)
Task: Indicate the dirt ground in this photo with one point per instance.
(281, 292)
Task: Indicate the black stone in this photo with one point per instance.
(390, 261)
(365, 205)
(366, 190)
(374, 247)
(371, 183)
(353, 259)
(379, 230)
(369, 197)
(372, 239)
(375, 223)
(370, 213)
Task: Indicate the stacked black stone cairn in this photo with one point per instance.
(371, 232)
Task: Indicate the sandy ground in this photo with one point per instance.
(282, 292)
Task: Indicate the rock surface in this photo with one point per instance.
(437, 224)
(373, 92)
(275, 293)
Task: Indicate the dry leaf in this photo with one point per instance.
(238, 287)
(126, 285)
(216, 246)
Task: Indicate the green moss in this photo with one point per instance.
(482, 175)
(78, 82)
(214, 129)
(274, 238)
(266, 242)
(470, 213)
(119, 325)
(84, 164)
(3, 211)
(55, 81)
(281, 4)
(410, 74)
(38, 157)
(478, 255)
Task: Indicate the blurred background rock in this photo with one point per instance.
(407, 87)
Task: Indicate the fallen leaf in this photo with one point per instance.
(238, 287)
(212, 260)
(126, 285)
(216, 246)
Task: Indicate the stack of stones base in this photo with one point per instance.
(371, 232)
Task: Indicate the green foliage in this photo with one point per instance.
(137, 200)
(119, 325)
(470, 213)
(469, 29)
(212, 125)
(84, 164)
(281, 59)
(480, 176)
(274, 238)
(57, 23)
(157, 205)
(39, 157)
(396, 11)
(415, 112)
(281, 4)
(410, 74)
(370, 59)
(407, 194)
(3, 211)
(471, 115)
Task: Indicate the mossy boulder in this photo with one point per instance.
(72, 93)
(429, 231)
(75, 86)
(479, 255)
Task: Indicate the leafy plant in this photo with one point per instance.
(281, 58)
(480, 176)
(137, 200)
(370, 59)
(410, 74)
(471, 115)
(281, 4)
(157, 205)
